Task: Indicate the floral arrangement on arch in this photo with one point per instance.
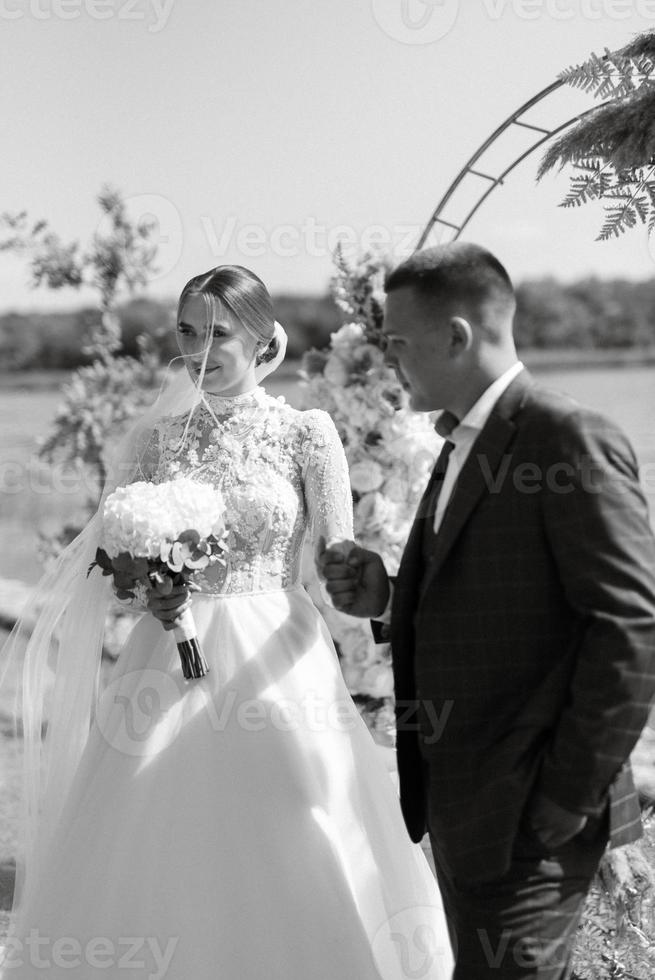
(390, 451)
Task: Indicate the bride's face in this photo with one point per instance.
(231, 358)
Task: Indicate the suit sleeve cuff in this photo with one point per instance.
(381, 626)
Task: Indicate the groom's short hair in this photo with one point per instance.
(459, 272)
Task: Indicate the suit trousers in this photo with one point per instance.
(523, 924)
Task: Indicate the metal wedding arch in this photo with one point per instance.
(469, 168)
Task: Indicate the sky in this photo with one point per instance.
(261, 132)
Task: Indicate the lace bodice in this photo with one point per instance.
(281, 472)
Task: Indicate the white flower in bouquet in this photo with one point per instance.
(139, 517)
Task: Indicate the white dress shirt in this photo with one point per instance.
(463, 436)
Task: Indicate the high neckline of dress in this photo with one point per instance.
(227, 404)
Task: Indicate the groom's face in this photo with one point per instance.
(418, 348)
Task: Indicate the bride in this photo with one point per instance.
(243, 824)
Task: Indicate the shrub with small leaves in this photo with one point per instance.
(390, 452)
(101, 398)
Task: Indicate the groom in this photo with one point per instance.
(522, 624)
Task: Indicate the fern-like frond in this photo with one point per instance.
(582, 191)
(621, 132)
(651, 221)
(642, 47)
(615, 74)
(642, 207)
(618, 220)
(637, 203)
(590, 164)
(591, 76)
(620, 192)
(592, 184)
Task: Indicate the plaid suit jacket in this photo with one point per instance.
(524, 648)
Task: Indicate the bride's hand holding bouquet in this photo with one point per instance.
(169, 609)
(155, 538)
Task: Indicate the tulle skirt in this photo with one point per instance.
(239, 826)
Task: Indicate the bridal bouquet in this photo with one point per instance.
(156, 536)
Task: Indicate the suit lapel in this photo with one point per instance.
(483, 470)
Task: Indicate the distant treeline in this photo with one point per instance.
(588, 314)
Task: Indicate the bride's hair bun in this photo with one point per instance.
(269, 352)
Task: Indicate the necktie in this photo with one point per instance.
(436, 481)
(445, 424)
(434, 489)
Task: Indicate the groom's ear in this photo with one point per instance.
(461, 335)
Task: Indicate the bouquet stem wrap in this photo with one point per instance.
(193, 661)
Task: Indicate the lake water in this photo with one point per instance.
(626, 395)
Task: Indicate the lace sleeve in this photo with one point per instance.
(326, 480)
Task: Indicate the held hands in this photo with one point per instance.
(552, 824)
(168, 608)
(357, 581)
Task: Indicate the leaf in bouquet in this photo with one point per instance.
(104, 561)
(105, 571)
(122, 561)
(125, 562)
(124, 594)
(141, 567)
(123, 580)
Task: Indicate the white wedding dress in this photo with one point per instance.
(240, 826)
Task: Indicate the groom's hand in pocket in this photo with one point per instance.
(357, 583)
(552, 823)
